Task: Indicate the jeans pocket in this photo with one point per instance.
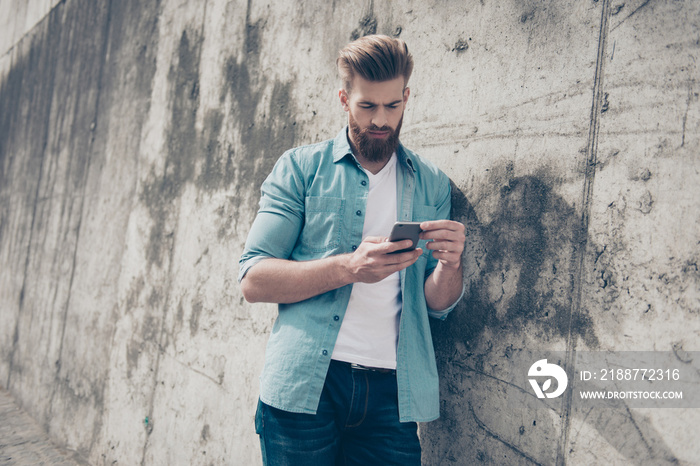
(259, 427)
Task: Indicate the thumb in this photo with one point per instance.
(374, 239)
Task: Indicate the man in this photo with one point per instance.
(350, 367)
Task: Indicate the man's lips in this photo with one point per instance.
(378, 134)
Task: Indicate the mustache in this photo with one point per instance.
(377, 128)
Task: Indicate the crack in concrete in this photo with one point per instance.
(497, 379)
(629, 15)
(495, 436)
(687, 109)
(597, 107)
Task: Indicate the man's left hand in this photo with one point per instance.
(446, 240)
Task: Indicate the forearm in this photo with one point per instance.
(285, 281)
(443, 287)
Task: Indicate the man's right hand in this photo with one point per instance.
(372, 261)
(286, 281)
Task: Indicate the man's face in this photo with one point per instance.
(375, 114)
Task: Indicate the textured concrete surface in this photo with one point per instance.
(134, 137)
(23, 442)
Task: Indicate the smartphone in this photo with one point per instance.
(405, 230)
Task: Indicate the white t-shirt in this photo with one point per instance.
(370, 328)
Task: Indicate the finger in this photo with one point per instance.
(393, 246)
(443, 235)
(446, 245)
(403, 259)
(409, 256)
(452, 234)
(374, 239)
(449, 258)
(441, 225)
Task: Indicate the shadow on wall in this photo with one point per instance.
(519, 269)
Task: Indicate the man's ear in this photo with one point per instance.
(343, 95)
(406, 93)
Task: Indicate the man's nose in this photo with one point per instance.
(379, 118)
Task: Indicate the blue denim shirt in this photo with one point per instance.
(312, 206)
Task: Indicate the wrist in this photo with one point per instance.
(343, 268)
(451, 267)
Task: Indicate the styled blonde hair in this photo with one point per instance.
(374, 58)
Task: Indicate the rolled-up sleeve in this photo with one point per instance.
(280, 217)
(444, 196)
(443, 213)
(442, 315)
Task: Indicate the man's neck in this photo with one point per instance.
(373, 167)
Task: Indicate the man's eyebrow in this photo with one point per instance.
(367, 102)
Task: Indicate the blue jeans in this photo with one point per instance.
(357, 423)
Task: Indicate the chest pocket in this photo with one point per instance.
(422, 213)
(322, 223)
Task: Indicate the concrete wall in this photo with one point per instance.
(133, 140)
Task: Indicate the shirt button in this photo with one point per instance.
(325, 352)
(363, 183)
(336, 318)
(358, 213)
(354, 248)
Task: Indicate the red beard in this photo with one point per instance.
(373, 149)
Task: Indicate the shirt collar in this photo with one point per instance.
(341, 145)
(341, 149)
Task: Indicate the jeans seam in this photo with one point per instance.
(352, 398)
(263, 439)
(364, 414)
